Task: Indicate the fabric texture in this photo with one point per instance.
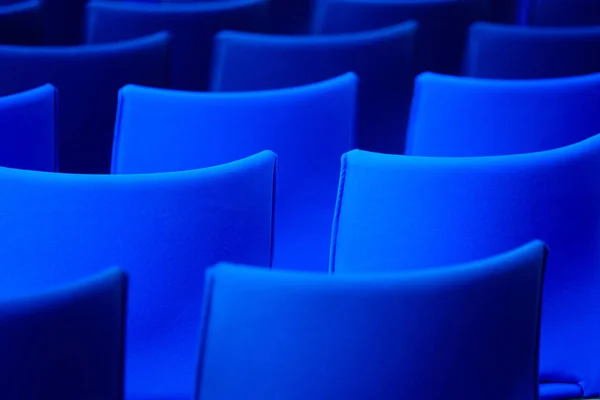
(290, 335)
(191, 25)
(525, 52)
(308, 127)
(163, 229)
(441, 33)
(460, 116)
(404, 212)
(382, 59)
(28, 129)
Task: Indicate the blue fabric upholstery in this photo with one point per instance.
(192, 26)
(525, 52)
(503, 11)
(28, 129)
(404, 212)
(558, 391)
(21, 23)
(66, 343)
(308, 127)
(382, 60)
(88, 80)
(290, 335)
(163, 229)
(458, 116)
(442, 29)
(564, 12)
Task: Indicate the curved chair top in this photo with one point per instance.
(350, 39)
(79, 326)
(183, 95)
(27, 95)
(100, 49)
(134, 99)
(172, 8)
(463, 116)
(507, 163)
(507, 31)
(111, 279)
(474, 269)
(306, 326)
(506, 85)
(138, 180)
(20, 7)
(530, 52)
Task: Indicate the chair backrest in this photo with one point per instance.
(28, 129)
(163, 229)
(527, 52)
(503, 11)
(308, 127)
(564, 12)
(382, 59)
(191, 25)
(66, 343)
(404, 212)
(441, 35)
(460, 116)
(450, 332)
(21, 23)
(88, 79)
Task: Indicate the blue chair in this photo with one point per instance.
(525, 52)
(88, 79)
(28, 129)
(163, 229)
(21, 23)
(66, 343)
(192, 26)
(564, 12)
(273, 335)
(442, 32)
(382, 60)
(405, 213)
(502, 11)
(458, 117)
(309, 128)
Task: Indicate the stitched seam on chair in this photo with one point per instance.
(117, 133)
(336, 215)
(208, 296)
